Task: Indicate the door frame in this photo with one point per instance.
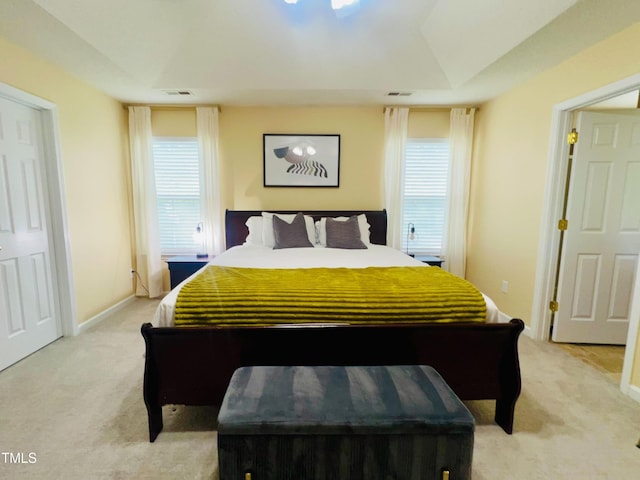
(59, 241)
(548, 247)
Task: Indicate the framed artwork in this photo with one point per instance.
(297, 160)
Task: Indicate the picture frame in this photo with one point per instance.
(301, 160)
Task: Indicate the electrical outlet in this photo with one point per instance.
(505, 286)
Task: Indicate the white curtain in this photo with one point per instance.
(145, 211)
(211, 198)
(395, 138)
(460, 150)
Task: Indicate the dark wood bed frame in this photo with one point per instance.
(193, 366)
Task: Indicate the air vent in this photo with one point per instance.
(399, 94)
(181, 93)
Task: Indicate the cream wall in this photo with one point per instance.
(361, 150)
(96, 176)
(428, 123)
(510, 162)
(173, 122)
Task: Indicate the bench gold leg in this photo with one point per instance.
(445, 474)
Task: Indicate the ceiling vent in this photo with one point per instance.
(180, 93)
(398, 94)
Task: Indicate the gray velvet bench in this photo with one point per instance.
(343, 423)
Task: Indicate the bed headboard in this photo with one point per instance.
(237, 231)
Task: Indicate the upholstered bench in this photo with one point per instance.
(343, 423)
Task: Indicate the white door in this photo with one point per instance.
(27, 314)
(602, 241)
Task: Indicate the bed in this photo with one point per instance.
(192, 363)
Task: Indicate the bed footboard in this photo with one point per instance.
(193, 366)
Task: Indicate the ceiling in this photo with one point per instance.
(265, 52)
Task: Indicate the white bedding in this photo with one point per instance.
(255, 256)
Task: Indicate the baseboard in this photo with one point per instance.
(634, 392)
(503, 317)
(93, 321)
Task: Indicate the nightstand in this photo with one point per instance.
(430, 259)
(181, 266)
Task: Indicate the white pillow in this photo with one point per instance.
(255, 231)
(321, 229)
(268, 237)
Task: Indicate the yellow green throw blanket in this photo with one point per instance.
(234, 296)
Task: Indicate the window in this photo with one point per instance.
(177, 171)
(426, 174)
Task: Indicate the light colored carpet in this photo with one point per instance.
(77, 405)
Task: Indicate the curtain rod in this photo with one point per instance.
(168, 107)
(418, 108)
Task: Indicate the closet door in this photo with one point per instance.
(27, 313)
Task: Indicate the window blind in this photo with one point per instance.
(177, 172)
(426, 174)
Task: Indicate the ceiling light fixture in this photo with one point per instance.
(338, 4)
(335, 4)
